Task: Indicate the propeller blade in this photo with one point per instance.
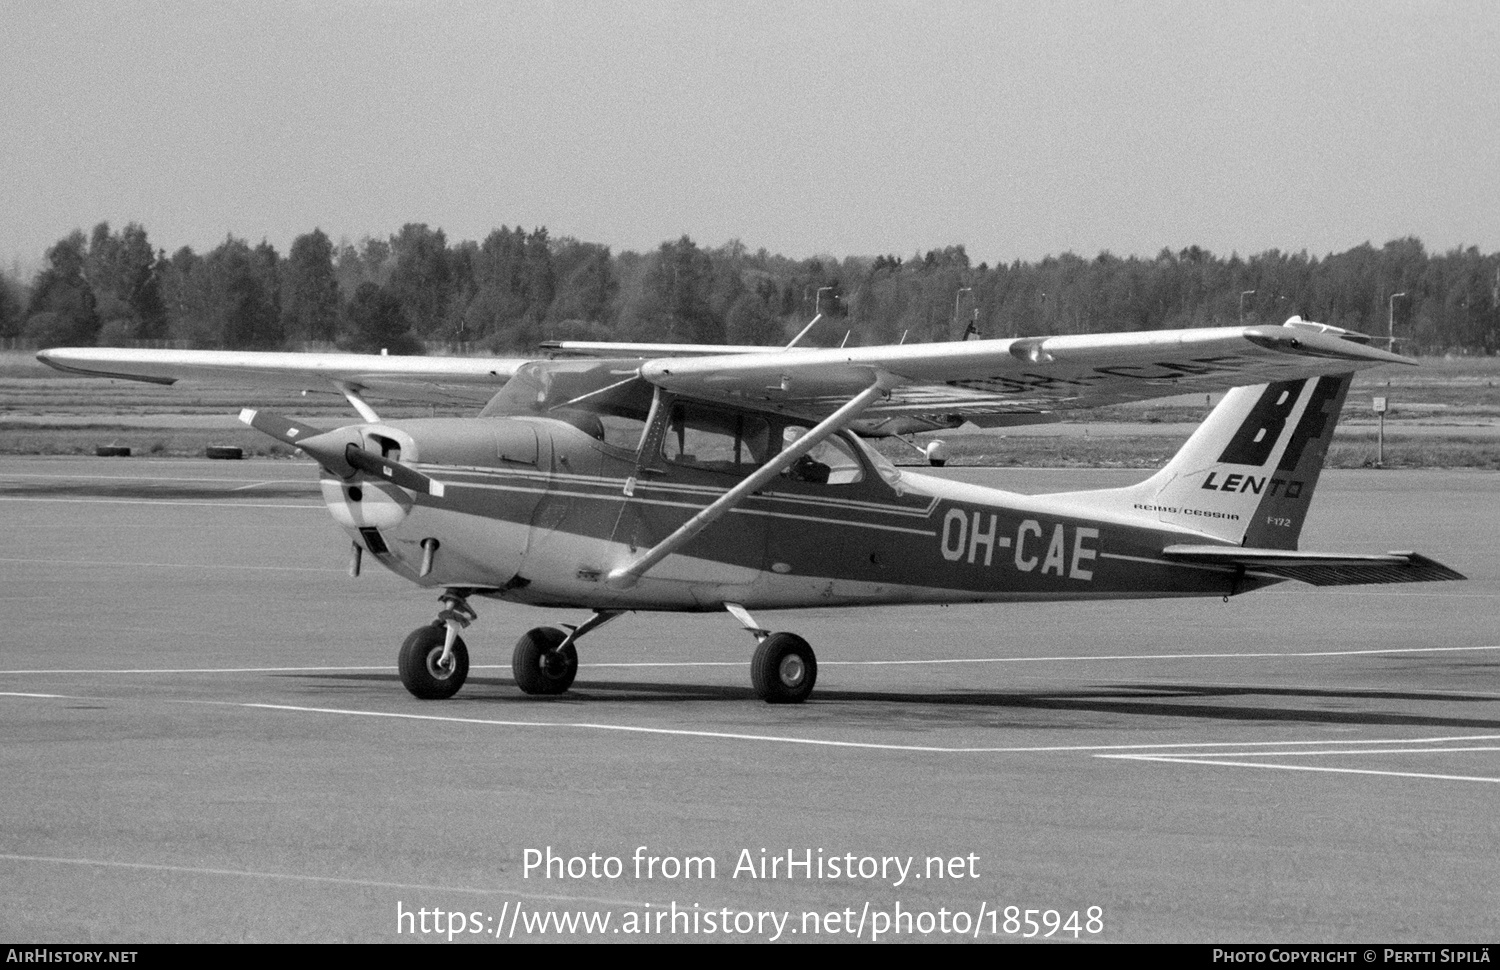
(278, 427)
(340, 451)
(392, 471)
(324, 447)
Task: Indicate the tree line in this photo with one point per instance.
(416, 289)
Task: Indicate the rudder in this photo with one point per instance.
(1247, 474)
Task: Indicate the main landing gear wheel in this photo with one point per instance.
(539, 666)
(422, 670)
(784, 669)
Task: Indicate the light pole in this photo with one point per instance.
(1390, 322)
(956, 298)
(1242, 304)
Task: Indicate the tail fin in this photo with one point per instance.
(1248, 473)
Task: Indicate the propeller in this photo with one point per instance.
(393, 471)
(341, 451)
(279, 427)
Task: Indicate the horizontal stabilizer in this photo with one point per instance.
(1319, 568)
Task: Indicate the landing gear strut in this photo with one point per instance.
(784, 668)
(545, 660)
(541, 665)
(434, 661)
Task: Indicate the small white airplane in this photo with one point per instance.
(693, 478)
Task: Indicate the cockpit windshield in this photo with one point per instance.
(603, 398)
(602, 386)
(609, 400)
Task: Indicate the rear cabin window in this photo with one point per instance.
(716, 440)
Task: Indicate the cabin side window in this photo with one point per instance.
(830, 462)
(719, 441)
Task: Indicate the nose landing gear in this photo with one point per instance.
(434, 661)
(431, 668)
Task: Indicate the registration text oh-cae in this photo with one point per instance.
(1053, 549)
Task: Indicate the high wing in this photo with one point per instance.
(992, 382)
(429, 380)
(612, 349)
(924, 386)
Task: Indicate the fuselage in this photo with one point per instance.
(540, 510)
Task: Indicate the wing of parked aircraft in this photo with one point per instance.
(982, 378)
(680, 477)
(429, 380)
(923, 386)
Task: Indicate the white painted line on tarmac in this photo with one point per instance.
(1135, 752)
(1009, 660)
(1182, 760)
(302, 877)
(638, 729)
(1258, 655)
(161, 501)
(672, 732)
(1307, 754)
(204, 670)
(782, 739)
(157, 478)
(173, 565)
(729, 663)
(1381, 593)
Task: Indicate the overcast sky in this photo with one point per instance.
(1016, 129)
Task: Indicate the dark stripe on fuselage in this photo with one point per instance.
(912, 540)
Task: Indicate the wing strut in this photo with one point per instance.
(627, 576)
(812, 323)
(351, 392)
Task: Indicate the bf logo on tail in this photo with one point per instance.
(1256, 438)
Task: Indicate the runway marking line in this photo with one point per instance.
(205, 670)
(825, 742)
(1309, 754)
(1258, 655)
(171, 565)
(1224, 763)
(326, 880)
(1129, 752)
(163, 501)
(739, 663)
(160, 478)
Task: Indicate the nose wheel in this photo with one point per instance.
(434, 661)
(429, 668)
